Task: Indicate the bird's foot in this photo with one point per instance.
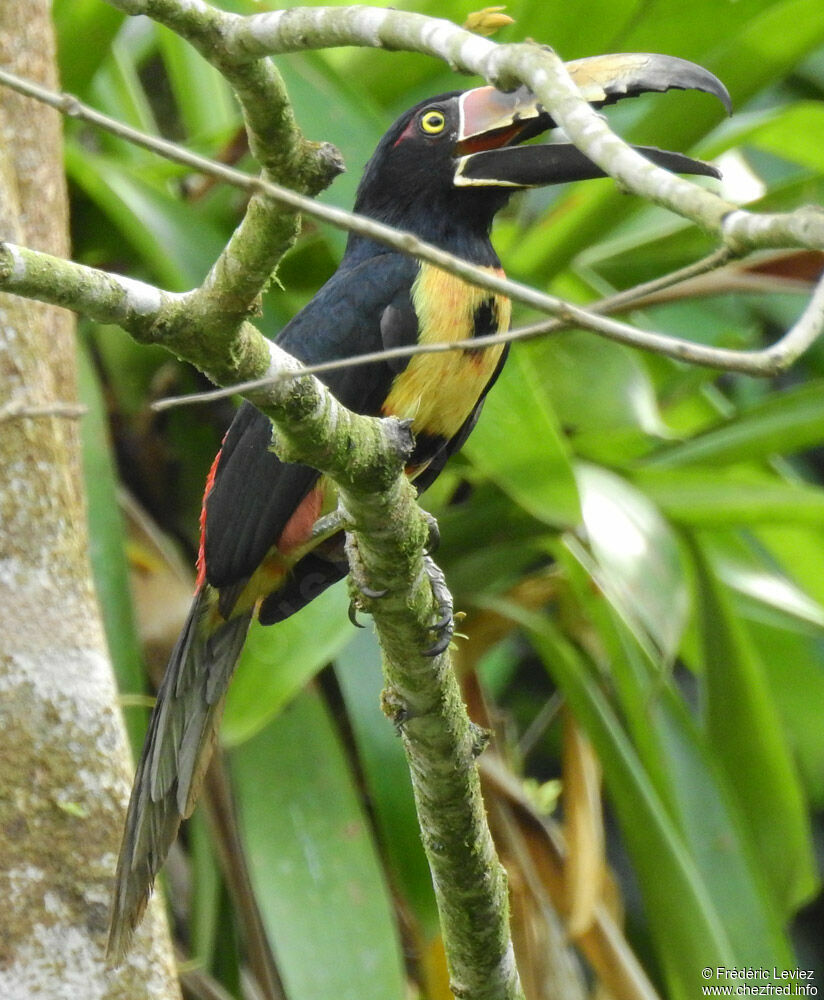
(444, 626)
(330, 524)
(359, 590)
(434, 540)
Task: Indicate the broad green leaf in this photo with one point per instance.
(277, 661)
(797, 549)
(604, 398)
(666, 25)
(738, 560)
(97, 25)
(561, 26)
(386, 773)
(312, 860)
(713, 498)
(795, 670)
(745, 732)
(681, 766)
(404, 77)
(791, 133)
(518, 445)
(333, 107)
(637, 556)
(784, 422)
(487, 541)
(650, 242)
(107, 541)
(775, 40)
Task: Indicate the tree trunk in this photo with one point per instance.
(63, 754)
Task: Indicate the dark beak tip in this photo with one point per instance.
(631, 74)
(687, 75)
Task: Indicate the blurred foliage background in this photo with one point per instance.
(637, 544)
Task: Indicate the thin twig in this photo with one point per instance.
(18, 410)
(611, 304)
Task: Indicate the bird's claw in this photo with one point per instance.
(444, 625)
(441, 645)
(362, 591)
(352, 612)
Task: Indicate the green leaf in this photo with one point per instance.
(784, 422)
(386, 773)
(518, 445)
(738, 560)
(792, 133)
(116, 90)
(777, 38)
(745, 731)
(797, 549)
(729, 498)
(203, 98)
(312, 860)
(332, 106)
(794, 667)
(97, 25)
(487, 540)
(107, 546)
(278, 661)
(602, 394)
(637, 556)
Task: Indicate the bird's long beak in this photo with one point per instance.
(492, 123)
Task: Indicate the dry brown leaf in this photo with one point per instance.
(583, 828)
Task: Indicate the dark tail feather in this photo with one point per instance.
(175, 757)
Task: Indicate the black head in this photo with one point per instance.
(410, 180)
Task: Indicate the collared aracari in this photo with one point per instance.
(442, 171)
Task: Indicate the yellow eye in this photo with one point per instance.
(433, 122)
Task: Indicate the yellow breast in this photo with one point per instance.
(437, 392)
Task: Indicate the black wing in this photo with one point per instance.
(253, 494)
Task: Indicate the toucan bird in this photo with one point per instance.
(442, 172)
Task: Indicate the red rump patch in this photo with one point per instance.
(201, 553)
(299, 526)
